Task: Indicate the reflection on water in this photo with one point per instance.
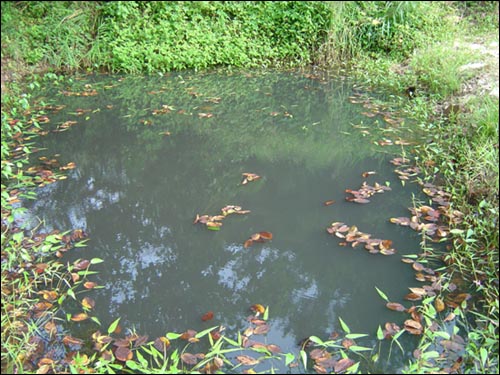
(136, 191)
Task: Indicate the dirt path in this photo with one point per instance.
(486, 69)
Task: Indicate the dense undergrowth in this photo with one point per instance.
(394, 46)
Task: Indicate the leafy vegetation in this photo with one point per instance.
(151, 37)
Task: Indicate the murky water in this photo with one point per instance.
(136, 191)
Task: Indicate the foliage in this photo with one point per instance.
(148, 37)
(380, 28)
(462, 152)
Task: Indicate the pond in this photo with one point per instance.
(152, 153)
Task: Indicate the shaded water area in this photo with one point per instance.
(153, 152)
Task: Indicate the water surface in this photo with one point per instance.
(137, 189)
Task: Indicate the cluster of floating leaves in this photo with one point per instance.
(324, 362)
(44, 310)
(258, 326)
(365, 191)
(374, 109)
(351, 234)
(88, 91)
(215, 222)
(46, 172)
(165, 108)
(434, 222)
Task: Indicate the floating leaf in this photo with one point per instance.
(88, 303)
(207, 316)
(249, 177)
(81, 265)
(395, 306)
(266, 235)
(247, 360)
(90, 284)
(360, 200)
(449, 317)
(439, 304)
(390, 330)
(413, 327)
(413, 297)
(214, 225)
(387, 251)
(79, 317)
(162, 343)
(342, 365)
(347, 343)
(261, 330)
(69, 340)
(418, 266)
(273, 348)
(123, 354)
(258, 237)
(49, 295)
(70, 165)
(113, 326)
(418, 291)
(188, 334)
(258, 308)
(189, 359)
(404, 221)
(255, 237)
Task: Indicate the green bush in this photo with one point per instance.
(134, 36)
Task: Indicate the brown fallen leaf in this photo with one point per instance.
(247, 360)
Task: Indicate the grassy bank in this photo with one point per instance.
(396, 47)
(456, 108)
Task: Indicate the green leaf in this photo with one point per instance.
(431, 354)
(204, 332)
(141, 359)
(71, 294)
(444, 335)
(52, 239)
(381, 294)
(81, 243)
(232, 342)
(289, 358)
(484, 355)
(266, 313)
(355, 335)
(113, 326)
(173, 336)
(316, 340)
(380, 333)
(132, 365)
(18, 237)
(356, 348)
(96, 261)
(353, 369)
(303, 355)
(344, 326)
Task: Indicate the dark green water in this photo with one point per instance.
(136, 193)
